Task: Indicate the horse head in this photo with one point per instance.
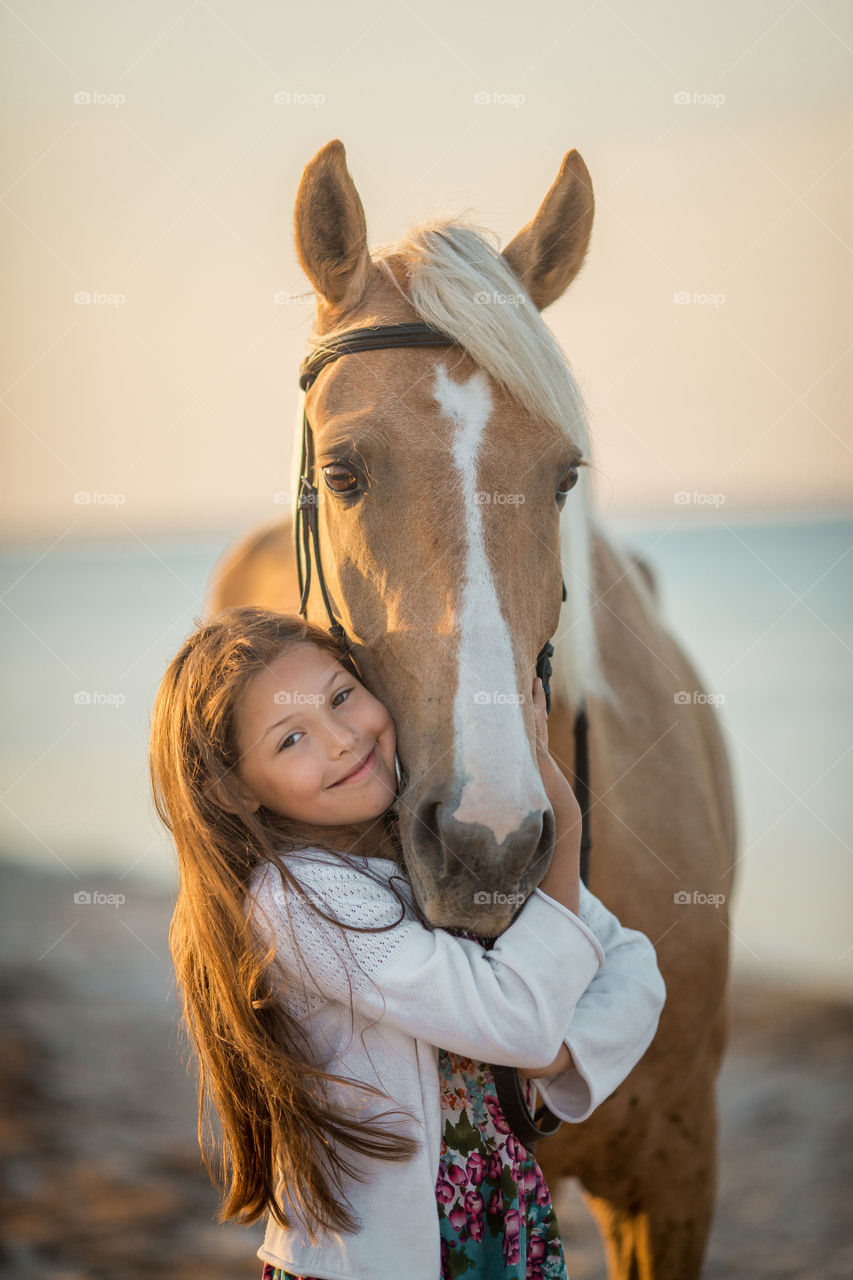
(451, 508)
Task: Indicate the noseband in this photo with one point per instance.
(528, 1128)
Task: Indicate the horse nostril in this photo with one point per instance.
(427, 831)
(545, 847)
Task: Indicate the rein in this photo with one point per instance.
(527, 1127)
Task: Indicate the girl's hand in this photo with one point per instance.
(560, 795)
(563, 1062)
(562, 879)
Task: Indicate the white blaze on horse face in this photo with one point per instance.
(493, 760)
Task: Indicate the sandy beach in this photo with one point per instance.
(102, 1174)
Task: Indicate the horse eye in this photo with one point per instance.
(340, 478)
(568, 482)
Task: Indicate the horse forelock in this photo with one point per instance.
(457, 280)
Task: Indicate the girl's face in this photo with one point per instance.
(314, 744)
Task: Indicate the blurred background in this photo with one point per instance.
(155, 317)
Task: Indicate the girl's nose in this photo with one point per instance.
(341, 737)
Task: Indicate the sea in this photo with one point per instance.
(764, 607)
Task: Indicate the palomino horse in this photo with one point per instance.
(443, 473)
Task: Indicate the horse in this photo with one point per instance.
(454, 515)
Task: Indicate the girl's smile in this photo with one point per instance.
(314, 743)
(360, 771)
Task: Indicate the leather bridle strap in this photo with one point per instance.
(528, 1128)
(373, 339)
(412, 334)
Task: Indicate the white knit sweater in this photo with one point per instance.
(552, 977)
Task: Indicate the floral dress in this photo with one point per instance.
(494, 1209)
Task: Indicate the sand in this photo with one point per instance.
(102, 1174)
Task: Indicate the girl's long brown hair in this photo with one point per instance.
(255, 1065)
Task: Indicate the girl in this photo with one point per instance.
(341, 1040)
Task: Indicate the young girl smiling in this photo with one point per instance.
(341, 1040)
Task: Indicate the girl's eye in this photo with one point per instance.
(287, 741)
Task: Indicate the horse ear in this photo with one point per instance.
(548, 253)
(331, 232)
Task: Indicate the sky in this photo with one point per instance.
(150, 160)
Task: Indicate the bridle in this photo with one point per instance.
(528, 1128)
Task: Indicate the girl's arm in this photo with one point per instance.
(613, 1023)
(509, 1005)
(562, 879)
(616, 1017)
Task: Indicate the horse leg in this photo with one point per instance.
(654, 1201)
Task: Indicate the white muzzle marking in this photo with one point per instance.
(493, 760)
